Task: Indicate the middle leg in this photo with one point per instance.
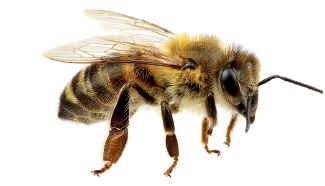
(171, 140)
(209, 122)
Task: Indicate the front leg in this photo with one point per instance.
(210, 122)
(230, 128)
(171, 140)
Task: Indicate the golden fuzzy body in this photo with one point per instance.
(92, 94)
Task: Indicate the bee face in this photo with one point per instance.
(236, 78)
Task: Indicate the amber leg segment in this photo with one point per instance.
(206, 132)
(118, 134)
(230, 128)
(171, 140)
(210, 122)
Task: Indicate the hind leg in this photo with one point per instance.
(118, 133)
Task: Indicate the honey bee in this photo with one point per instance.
(140, 63)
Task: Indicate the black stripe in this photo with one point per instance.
(74, 108)
(65, 114)
(147, 98)
(90, 103)
(98, 77)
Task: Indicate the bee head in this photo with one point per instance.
(237, 82)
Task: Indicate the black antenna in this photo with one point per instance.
(291, 81)
(248, 119)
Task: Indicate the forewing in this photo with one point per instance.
(101, 49)
(127, 36)
(128, 29)
(89, 50)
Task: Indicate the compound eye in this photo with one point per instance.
(229, 81)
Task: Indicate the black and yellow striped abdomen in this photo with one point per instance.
(92, 93)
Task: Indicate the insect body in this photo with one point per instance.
(141, 63)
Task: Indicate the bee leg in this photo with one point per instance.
(171, 140)
(230, 128)
(206, 132)
(209, 123)
(118, 133)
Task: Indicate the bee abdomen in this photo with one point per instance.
(91, 94)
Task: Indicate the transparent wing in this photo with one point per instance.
(101, 49)
(128, 29)
(89, 50)
(130, 40)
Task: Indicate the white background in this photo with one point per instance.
(285, 145)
